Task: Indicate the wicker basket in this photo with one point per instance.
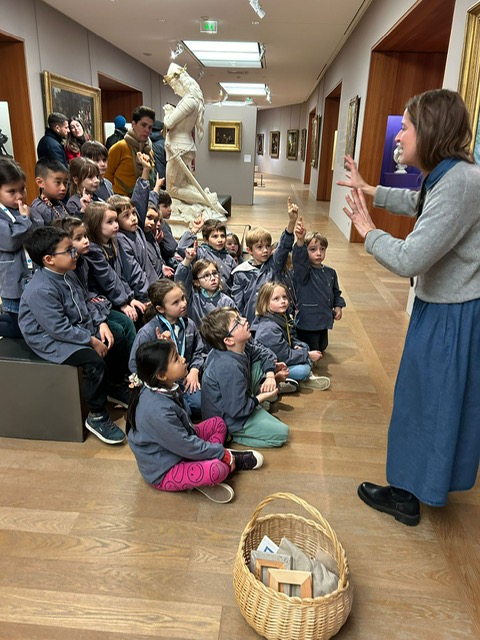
(277, 616)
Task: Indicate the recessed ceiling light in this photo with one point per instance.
(255, 22)
(244, 88)
(247, 55)
(160, 19)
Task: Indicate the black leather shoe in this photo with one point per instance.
(401, 504)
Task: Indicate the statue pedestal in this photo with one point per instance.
(183, 214)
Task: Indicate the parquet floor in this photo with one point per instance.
(89, 552)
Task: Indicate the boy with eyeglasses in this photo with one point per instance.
(61, 325)
(239, 375)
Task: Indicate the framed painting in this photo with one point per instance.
(274, 144)
(292, 144)
(469, 83)
(352, 122)
(303, 144)
(316, 126)
(75, 100)
(225, 135)
(260, 141)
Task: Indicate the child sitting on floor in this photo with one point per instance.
(60, 325)
(274, 330)
(239, 375)
(167, 312)
(172, 454)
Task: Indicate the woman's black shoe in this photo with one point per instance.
(397, 502)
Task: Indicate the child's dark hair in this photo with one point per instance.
(94, 150)
(199, 266)
(43, 242)
(44, 165)
(156, 294)
(68, 224)
(80, 169)
(239, 252)
(10, 171)
(215, 326)
(211, 225)
(164, 198)
(152, 359)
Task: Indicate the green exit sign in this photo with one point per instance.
(208, 26)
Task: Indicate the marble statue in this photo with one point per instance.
(188, 196)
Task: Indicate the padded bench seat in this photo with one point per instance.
(40, 400)
(226, 202)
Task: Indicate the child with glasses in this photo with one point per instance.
(203, 286)
(214, 233)
(239, 375)
(61, 325)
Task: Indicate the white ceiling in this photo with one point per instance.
(301, 37)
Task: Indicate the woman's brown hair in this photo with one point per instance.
(442, 126)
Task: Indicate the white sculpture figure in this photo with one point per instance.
(189, 198)
(400, 168)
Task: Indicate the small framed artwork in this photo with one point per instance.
(279, 578)
(260, 140)
(225, 135)
(316, 126)
(274, 144)
(292, 144)
(75, 100)
(352, 121)
(303, 144)
(261, 561)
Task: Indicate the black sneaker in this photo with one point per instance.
(104, 428)
(247, 460)
(119, 395)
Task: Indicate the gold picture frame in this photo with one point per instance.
(74, 99)
(469, 82)
(303, 144)
(274, 144)
(292, 144)
(352, 122)
(225, 135)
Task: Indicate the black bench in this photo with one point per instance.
(40, 400)
(226, 202)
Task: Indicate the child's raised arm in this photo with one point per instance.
(144, 160)
(300, 232)
(292, 209)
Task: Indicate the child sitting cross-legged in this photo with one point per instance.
(173, 454)
(60, 325)
(202, 285)
(239, 375)
(274, 329)
(166, 318)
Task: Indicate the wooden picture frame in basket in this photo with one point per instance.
(279, 578)
(261, 561)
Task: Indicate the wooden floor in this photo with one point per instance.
(88, 551)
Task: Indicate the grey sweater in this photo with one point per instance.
(443, 249)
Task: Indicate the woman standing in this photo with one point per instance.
(434, 434)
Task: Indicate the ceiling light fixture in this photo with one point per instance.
(244, 88)
(177, 51)
(214, 53)
(257, 7)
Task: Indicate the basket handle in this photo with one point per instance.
(293, 498)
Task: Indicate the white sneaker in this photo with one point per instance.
(220, 493)
(320, 383)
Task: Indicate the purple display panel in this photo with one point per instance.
(388, 178)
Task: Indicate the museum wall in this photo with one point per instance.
(229, 172)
